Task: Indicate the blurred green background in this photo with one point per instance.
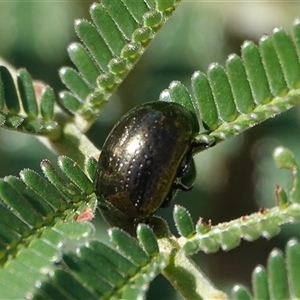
(234, 178)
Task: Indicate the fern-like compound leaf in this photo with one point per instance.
(266, 222)
(36, 221)
(279, 280)
(27, 107)
(260, 84)
(97, 271)
(110, 46)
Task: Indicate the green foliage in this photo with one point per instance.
(110, 47)
(36, 222)
(209, 239)
(99, 271)
(47, 245)
(280, 280)
(262, 83)
(32, 111)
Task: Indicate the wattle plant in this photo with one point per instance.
(49, 247)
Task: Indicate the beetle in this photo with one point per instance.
(145, 160)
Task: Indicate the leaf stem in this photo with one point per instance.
(185, 275)
(73, 144)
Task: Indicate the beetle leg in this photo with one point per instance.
(167, 201)
(179, 185)
(201, 142)
(185, 164)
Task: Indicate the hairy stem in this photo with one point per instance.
(185, 275)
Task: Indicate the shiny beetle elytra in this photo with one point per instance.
(145, 159)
